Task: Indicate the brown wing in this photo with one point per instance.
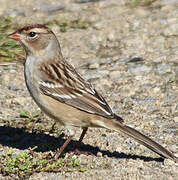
(61, 82)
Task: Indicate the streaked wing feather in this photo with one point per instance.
(61, 82)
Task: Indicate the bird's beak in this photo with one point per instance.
(15, 36)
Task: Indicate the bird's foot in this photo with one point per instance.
(78, 152)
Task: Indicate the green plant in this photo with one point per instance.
(9, 49)
(30, 116)
(135, 3)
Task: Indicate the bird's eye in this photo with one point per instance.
(32, 34)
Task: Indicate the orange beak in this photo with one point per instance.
(15, 36)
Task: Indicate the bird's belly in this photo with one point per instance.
(65, 114)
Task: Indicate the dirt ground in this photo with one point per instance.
(129, 51)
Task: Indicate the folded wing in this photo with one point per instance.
(61, 82)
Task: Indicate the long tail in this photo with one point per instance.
(146, 141)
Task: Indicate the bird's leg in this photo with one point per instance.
(63, 146)
(81, 138)
(76, 150)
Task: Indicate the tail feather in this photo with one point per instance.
(144, 140)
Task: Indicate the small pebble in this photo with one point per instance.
(176, 119)
(156, 90)
(140, 68)
(12, 71)
(115, 74)
(111, 37)
(174, 147)
(98, 26)
(169, 162)
(94, 66)
(52, 8)
(119, 149)
(164, 68)
(106, 82)
(99, 154)
(12, 87)
(20, 100)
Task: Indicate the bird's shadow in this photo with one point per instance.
(18, 138)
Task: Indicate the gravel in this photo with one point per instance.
(130, 55)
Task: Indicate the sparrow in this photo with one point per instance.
(62, 94)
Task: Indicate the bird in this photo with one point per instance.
(63, 95)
